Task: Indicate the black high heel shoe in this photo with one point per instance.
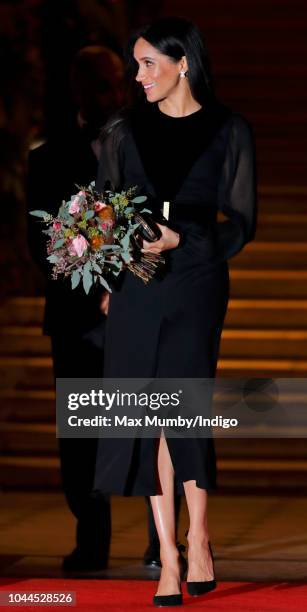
(160, 601)
(203, 586)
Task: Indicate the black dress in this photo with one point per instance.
(171, 328)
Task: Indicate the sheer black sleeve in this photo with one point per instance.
(237, 192)
(110, 162)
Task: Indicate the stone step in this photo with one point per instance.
(275, 154)
(276, 228)
(261, 448)
(262, 474)
(244, 313)
(264, 343)
(235, 343)
(282, 200)
(272, 150)
(26, 373)
(22, 340)
(267, 368)
(284, 255)
(20, 472)
(283, 284)
(28, 438)
(282, 219)
(268, 283)
(27, 405)
(275, 172)
(23, 373)
(39, 439)
(272, 314)
(22, 310)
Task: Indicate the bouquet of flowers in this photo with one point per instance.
(93, 236)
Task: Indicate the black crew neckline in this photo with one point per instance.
(183, 117)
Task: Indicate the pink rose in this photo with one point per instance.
(74, 206)
(99, 206)
(77, 246)
(57, 225)
(107, 225)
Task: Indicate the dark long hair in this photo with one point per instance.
(175, 37)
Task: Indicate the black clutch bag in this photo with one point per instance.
(146, 265)
(148, 229)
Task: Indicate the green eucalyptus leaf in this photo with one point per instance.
(89, 214)
(104, 283)
(139, 199)
(125, 241)
(87, 267)
(87, 279)
(116, 272)
(40, 213)
(63, 210)
(110, 247)
(96, 267)
(69, 220)
(116, 264)
(75, 279)
(126, 256)
(53, 259)
(59, 243)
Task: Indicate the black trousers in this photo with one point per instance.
(75, 357)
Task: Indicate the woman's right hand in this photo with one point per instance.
(169, 240)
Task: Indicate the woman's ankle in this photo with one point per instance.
(169, 556)
(169, 583)
(198, 538)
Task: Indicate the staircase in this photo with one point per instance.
(266, 326)
(27, 400)
(265, 335)
(258, 52)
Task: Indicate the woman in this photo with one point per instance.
(181, 146)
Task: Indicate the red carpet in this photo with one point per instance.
(136, 595)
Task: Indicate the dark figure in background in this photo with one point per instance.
(73, 320)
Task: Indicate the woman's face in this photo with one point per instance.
(157, 73)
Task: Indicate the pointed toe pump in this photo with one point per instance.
(161, 601)
(204, 586)
(201, 588)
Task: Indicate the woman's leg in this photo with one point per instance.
(199, 557)
(164, 515)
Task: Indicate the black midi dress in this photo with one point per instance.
(202, 163)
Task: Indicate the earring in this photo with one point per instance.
(182, 74)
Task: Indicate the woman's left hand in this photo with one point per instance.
(104, 303)
(168, 240)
